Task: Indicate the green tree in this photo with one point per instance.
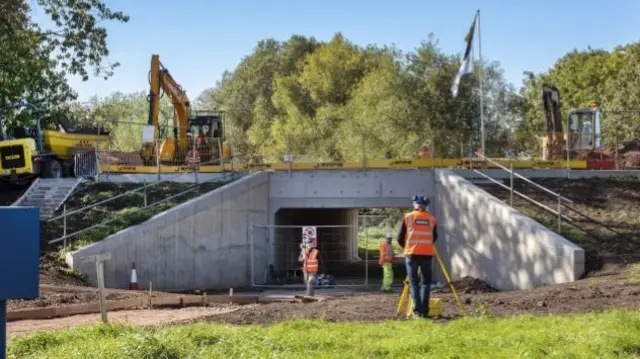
(36, 60)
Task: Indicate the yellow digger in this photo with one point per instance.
(34, 152)
(204, 128)
(583, 133)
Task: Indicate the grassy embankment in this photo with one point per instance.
(604, 335)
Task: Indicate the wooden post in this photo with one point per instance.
(150, 295)
(99, 260)
(64, 225)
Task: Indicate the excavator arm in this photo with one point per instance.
(553, 143)
(161, 80)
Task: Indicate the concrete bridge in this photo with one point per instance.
(227, 237)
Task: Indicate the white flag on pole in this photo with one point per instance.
(467, 61)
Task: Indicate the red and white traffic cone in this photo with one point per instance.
(133, 283)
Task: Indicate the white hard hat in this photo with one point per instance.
(389, 235)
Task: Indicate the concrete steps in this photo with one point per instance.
(48, 194)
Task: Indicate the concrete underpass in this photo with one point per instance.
(232, 236)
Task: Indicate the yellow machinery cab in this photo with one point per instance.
(32, 152)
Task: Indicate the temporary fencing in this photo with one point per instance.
(126, 152)
(275, 256)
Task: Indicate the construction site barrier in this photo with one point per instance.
(372, 164)
(124, 152)
(275, 251)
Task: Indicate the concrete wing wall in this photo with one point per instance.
(485, 238)
(203, 243)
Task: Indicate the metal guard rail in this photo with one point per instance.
(138, 209)
(524, 178)
(144, 187)
(548, 191)
(523, 196)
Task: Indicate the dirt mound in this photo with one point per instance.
(470, 285)
(121, 158)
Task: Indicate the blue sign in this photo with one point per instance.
(19, 260)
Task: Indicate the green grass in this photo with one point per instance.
(633, 273)
(369, 240)
(606, 335)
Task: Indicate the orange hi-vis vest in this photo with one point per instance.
(310, 264)
(419, 237)
(386, 253)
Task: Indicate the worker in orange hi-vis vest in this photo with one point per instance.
(425, 154)
(386, 259)
(417, 236)
(309, 256)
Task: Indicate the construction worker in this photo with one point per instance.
(309, 256)
(417, 236)
(386, 259)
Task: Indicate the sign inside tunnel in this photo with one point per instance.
(310, 233)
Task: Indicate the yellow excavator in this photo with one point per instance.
(199, 135)
(583, 133)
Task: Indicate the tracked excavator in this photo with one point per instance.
(195, 135)
(583, 136)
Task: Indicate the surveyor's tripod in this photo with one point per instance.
(405, 298)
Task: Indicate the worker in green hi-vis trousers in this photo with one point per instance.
(386, 259)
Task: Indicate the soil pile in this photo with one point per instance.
(470, 285)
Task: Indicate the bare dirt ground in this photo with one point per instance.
(593, 294)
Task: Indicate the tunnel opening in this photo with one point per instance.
(348, 241)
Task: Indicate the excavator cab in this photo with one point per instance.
(206, 132)
(584, 129)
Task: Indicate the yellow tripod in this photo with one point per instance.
(405, 299)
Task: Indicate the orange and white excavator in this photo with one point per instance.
(204, 128)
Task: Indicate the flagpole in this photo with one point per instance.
(480, 76)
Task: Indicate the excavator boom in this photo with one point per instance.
(553, 142)
(161, 80)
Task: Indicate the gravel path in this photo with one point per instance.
(134, 317)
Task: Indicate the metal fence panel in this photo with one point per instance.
(279, 266)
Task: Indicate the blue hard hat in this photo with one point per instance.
(420, 200)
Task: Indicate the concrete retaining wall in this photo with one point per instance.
(485, 238)
(203, 243)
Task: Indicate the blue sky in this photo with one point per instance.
(198, 39)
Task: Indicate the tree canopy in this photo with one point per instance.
(36, 60)
(330, 100)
